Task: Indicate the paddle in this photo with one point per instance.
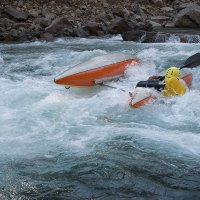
(102, 84)
(191, 62)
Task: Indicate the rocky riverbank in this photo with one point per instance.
(138, 20)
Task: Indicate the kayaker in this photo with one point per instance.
(169, 85)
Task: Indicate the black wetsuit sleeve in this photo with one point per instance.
(151, 84)
(161, 78)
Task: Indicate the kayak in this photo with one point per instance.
(142, 96)
(97, 70)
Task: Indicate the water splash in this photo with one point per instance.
(90, 139)
(1, 61)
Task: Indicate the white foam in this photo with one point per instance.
(39, 117)
(1, 61)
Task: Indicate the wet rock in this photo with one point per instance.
(12, 12)
(14, 33)
(47, 36)
(7, 37)
(79, 32)
(188, 17)
(133, 35)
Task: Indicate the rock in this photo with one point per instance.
(133, 35)
(79, 32)
(78, 13)
(188, 17)
(20, 4)
(7, 37)
(155, 37)
(105, 4)
(167, 9)
(133, 19)
(14, 33)
(15, 13)
(1, 11)
(47, 36)
(120, 25)
(141, 13)
(154, 24)
(45, 12)
(161, 37)
(68, 31)
(169, 25)
(58, 25)
(92, 28)
(83, 7)
(144, 26)
(158, 3)
(104, 18)
(24, 25)
(187, 5)
(159, 19)
(118, 13)
(44, 22)
(5, 23)
(126, 13)
(100, 33)
(2, 30)
(138, 18)
(34, 13)
(37, 27)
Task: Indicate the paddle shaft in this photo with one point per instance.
(102, 84)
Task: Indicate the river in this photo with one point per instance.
(88, 143)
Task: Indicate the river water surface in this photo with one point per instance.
(88, 143)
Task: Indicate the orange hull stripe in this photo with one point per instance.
(144, 101)
(188, 79)
(87, 78)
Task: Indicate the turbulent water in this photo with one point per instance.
(88, 143)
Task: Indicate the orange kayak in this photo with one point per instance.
(142, 96)
(97, 70)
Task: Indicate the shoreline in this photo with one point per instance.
(140, 21)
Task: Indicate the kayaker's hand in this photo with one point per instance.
(161, 83)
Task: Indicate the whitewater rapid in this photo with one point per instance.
(90, 140)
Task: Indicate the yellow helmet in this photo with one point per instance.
(172, 72)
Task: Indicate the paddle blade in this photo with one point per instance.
(192, 61)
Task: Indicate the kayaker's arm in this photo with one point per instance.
(157, 84)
